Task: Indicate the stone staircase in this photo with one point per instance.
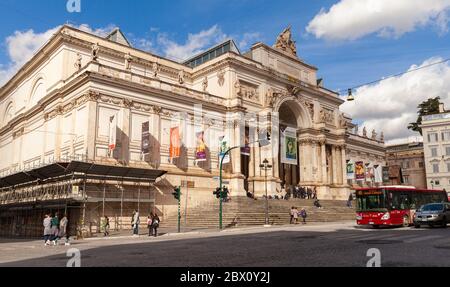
(249, 212)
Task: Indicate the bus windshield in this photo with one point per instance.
(371, 200)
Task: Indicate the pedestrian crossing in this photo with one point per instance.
(397, 236)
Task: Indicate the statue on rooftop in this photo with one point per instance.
(285, 42)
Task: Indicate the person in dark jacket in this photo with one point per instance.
(55, 229)
(155, 224)
(303, 214)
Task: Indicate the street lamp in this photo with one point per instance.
(432, 184)
(266, 166)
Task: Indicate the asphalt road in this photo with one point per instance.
(324, 245)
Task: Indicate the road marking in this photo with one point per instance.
(429, 237)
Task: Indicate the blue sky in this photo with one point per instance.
(349, 43)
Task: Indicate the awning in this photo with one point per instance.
(88, 170)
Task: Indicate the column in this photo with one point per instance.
(125, 132)
(90, 136)
(323, 154)
(334, 165)
(344, 165)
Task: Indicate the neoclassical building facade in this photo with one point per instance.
(61, 103)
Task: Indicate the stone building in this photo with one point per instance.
(88, 99)
(410, 158)
(436, 134)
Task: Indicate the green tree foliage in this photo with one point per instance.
(428, 107)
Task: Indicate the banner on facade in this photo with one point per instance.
(112, 133)
(370, 175)
(145, 138)
(245, 150)
(360, 173)
(289, 149)
(224, 145)
(350, 170)
(175, 143)
(385, 171)
(378, 174)
(200, 150)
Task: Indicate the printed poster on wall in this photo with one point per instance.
(289, 149)
(224, 145)
(360, 171)
(175, 143)
(350, 170)
(385, 174)
(200, 150)
(379, 174)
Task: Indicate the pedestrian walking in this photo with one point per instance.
(295, 215)
(47, 229)
(105, 226)
(292, 215)
(350, 201)
(315, 192)
(63, 229)
(55, 229)
(303, 214)
(155, 224)
(309, 193)
(135, 223)
(149, 225)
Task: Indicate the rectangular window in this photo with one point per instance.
(434, 152)
(420, 164)
(433, 137)
(446, 136)
(448, 166)
(406, 179)
(447, 150)
(435, 168)
(406, 164)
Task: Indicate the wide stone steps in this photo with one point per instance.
(250, 212)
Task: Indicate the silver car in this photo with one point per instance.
(433, 214)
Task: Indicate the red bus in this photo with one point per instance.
(393, 205)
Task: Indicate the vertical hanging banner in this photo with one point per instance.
(370, 176)
(360, 172)
(224, 145)
(350, 170)
(175, 143)
(385, 174)
(245, 150)
(289, 148)
(378, 174)
(200, 150)
(112, 134)
(145, 138)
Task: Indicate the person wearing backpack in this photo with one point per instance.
(303, 214)
(155, 224)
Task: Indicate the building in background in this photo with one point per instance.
(436, 134)
(406, 164)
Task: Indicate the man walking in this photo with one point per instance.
(135, 223)
(350, 201)
(47, 229)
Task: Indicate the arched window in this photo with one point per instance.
(37, 93)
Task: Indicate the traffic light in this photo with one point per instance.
(177, 193)
(217, 192)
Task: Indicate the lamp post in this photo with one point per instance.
(266, 166)
(432, 184)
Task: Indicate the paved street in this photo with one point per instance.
(338, 244)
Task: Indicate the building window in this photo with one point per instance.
(434, 152)
(420, 164)
(435, 168)
(446, 136)
(433, 137)
(448, 166)
(406, 164)
(406, 179)
(447, 150)
(437, 182)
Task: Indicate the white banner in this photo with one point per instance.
(289, 147)
(112, 133)
(224, 145)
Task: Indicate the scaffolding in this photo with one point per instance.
(75, 187)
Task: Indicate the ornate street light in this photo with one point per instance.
(350, 97)
(266, 166)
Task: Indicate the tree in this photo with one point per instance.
(428, 107)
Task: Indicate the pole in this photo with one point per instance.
(179, 210)
(186, 202)
(267, 199)
(104, 194)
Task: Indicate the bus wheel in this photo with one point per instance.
(417, 225)
(375, 226)
(405, 221)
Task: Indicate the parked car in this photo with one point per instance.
(433, 214)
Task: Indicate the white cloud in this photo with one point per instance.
(22, 45)
(391, 104)
(248, 39)
(193, 45)
(353, 19)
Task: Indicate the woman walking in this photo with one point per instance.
(47, 229)
(155, 224)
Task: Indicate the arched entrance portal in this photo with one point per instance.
(289, 118)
